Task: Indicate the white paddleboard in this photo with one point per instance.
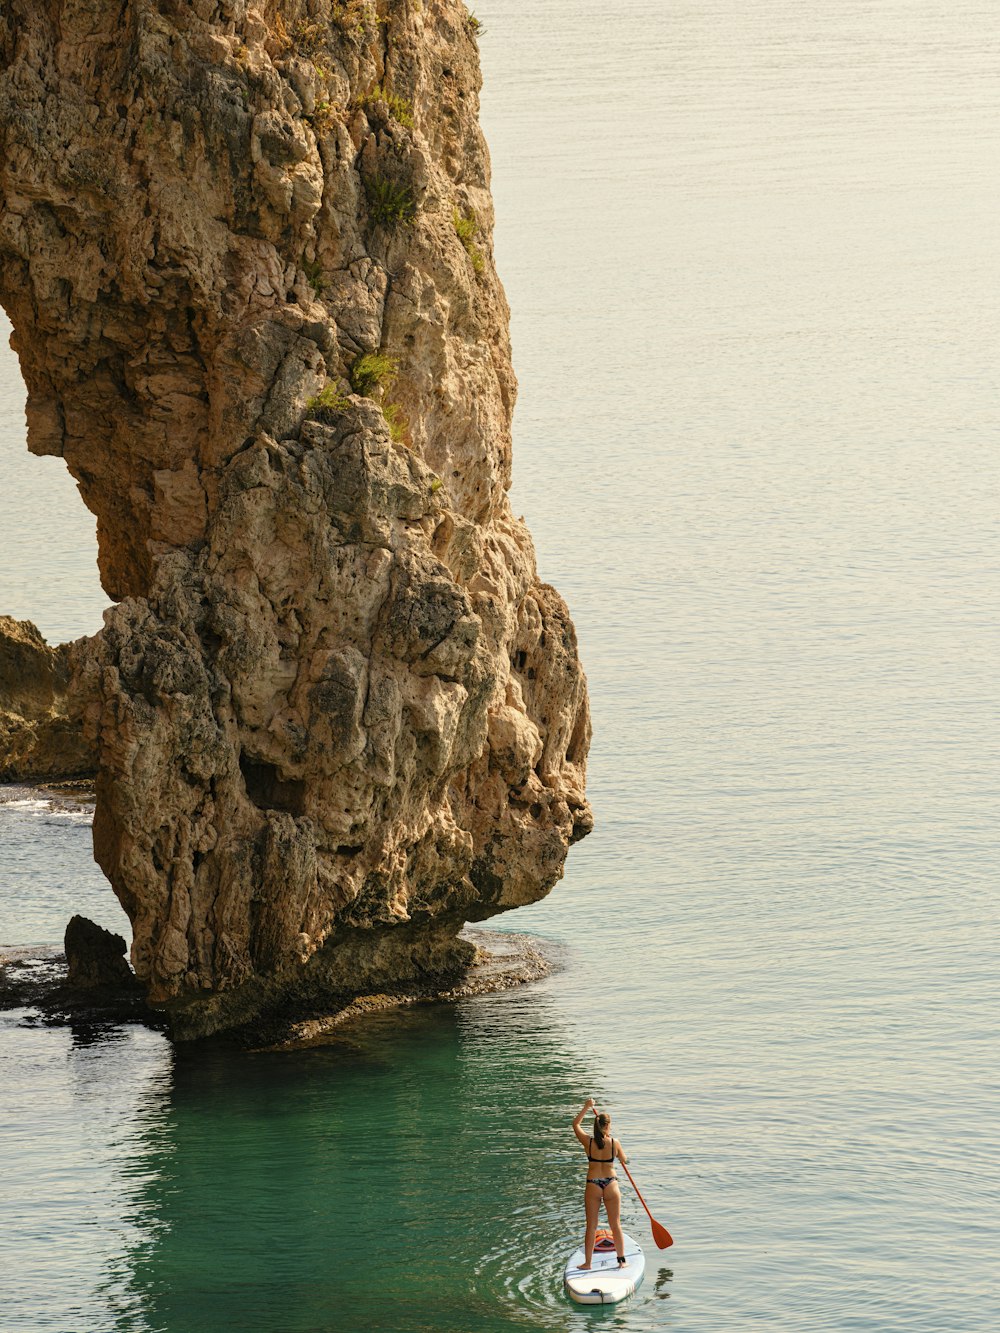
(604, 1283)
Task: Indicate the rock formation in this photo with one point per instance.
(41, 720)
(95, 957)
(246, 255)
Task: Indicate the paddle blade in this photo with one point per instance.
(661, 1236)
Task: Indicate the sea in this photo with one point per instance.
(752, 256)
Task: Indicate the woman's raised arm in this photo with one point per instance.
(588, 1105)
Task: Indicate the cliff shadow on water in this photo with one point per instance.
(247, 259)
(421, 1174)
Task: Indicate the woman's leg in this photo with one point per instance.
(613, 1203)
(592, 1204)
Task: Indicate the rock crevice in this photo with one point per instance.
(336, 712)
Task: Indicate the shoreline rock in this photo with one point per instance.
(42, 733)
(503, 961)
(39, 982)
(337, 712)
(30, 980)
(95, 957)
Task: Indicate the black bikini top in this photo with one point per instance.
(601, 1159)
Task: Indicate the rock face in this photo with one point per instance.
(95, 957)
(246, 255)
(41, 719)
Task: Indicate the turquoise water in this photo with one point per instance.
(751, 255)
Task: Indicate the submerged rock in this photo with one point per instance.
(247, 259)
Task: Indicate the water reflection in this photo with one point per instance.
(74, 1142)
(418, 1174)
(663, 1278)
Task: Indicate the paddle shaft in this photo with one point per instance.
(637, 1190)
(661, 1235)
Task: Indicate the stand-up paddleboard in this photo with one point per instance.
(604, 1283)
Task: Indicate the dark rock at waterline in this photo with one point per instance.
(498, 961)
(95, 957)
(36, 982)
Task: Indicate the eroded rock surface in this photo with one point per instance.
(246, 255)
(95, 957)
(42, 733)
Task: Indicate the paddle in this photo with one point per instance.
(661, 1236)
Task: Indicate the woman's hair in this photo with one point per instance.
(601, 1124)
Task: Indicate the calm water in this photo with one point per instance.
(751, 256)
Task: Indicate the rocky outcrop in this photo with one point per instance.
(95, 957)
(246, 254)
(41, 719)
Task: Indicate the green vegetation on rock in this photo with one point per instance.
(372, 373)
(467, 228)
(328, 404)
(389, 203)
(399, 108)
(307, 38)
(313, 270)
(396, 420)
(324, 117)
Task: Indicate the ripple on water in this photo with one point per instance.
(47, 868)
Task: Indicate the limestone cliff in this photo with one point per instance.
(246, 254)
(41, 719)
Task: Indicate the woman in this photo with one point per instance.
(602, 1183)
